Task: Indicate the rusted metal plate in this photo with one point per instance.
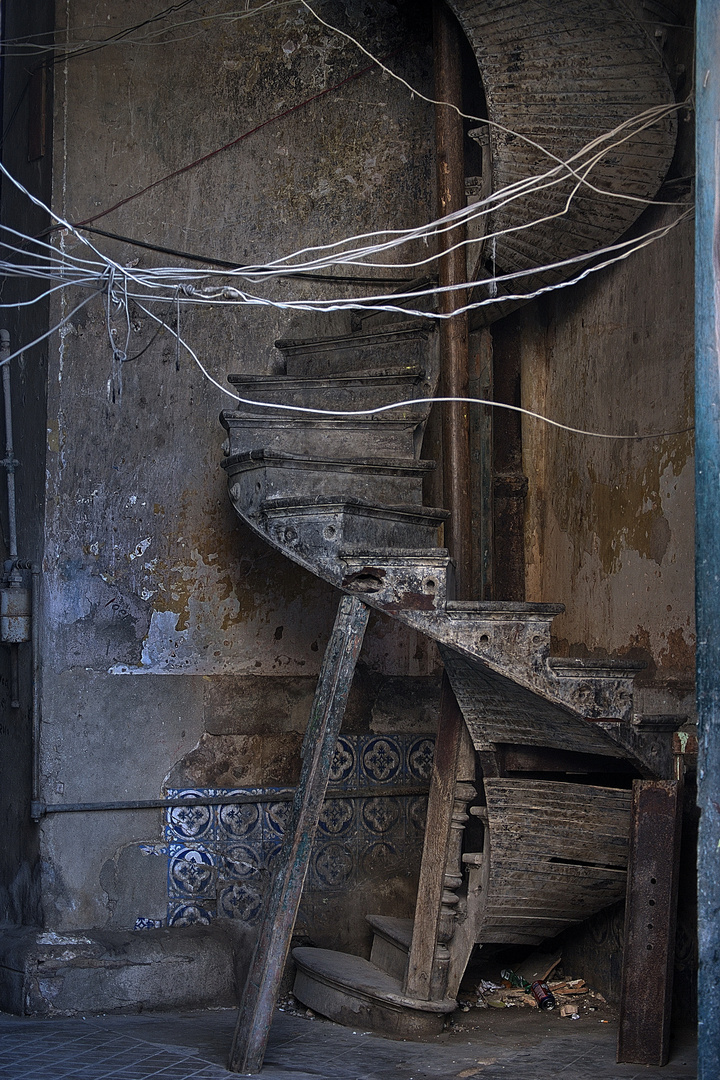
(650, 914)
(258, 1001)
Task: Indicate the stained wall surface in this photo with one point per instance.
(609, 530)
(179, 650)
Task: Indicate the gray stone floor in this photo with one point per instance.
(522, 1044)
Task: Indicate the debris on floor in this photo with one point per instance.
(572, 996)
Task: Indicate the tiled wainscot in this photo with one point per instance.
(221, 856)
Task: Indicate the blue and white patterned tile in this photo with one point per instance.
(415, 815)
(332, 866)
(191, 873)
(381, 759)
(344, 765)
(189, 823)
(144, 923)
(382, 816)
(419, 758)
(337, 818)
(241, 900)
(193, 914)
(239, 862)
(270, 854)
(275, 819)
(378, 860)
(237, 821)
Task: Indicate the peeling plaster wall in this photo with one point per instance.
(610, 524)
(163, 614)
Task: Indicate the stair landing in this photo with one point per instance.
(354, 992)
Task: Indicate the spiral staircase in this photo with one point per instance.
(549, 806)
(549, 852)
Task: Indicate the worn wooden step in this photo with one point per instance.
(382, 436)
(503, 629)
(391, 944)
(350, 391)
(408, 344)
(260, 475)
(398, 580)
(328, 531)
(352, 991)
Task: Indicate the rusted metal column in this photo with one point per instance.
(266, 968)
(453, 271)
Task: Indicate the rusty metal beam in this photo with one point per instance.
(650, 913)
(454, 378)
(263, 981)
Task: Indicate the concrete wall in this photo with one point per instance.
(609, 529)
(163, 614)
(180, 652)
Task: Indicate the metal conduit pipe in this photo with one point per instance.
(19, 606)
(282, 795)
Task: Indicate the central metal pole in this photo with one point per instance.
(452, 270)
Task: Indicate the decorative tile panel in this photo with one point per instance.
(221, 857)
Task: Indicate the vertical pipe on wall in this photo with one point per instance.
(9, 462)
(454, 379)
(707, 532)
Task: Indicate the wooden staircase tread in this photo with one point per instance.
(399, 931)
(362, 337)
(323, 422)
(357, 976)
(301, 502)
(396, 555)
(364, 378)
(508, 608)
(574, 665)
(279, 457)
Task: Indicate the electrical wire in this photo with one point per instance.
(439, 400)
(48, 333)
(450, 105)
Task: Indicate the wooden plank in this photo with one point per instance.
(258, 1001)
(437, 835)
(650, 912)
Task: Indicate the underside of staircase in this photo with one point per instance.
(539, 809)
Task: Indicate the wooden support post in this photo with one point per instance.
(258, 1001)
(421, 980)
(650, 912)
(452, 270)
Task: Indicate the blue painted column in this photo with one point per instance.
(707, 478)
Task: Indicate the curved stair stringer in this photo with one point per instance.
(564, 75)
(505, 645)
(358, 523)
